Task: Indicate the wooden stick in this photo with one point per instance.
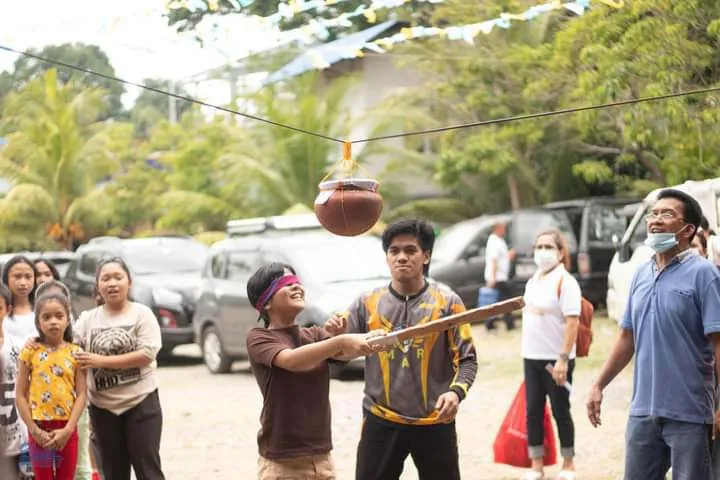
(475, 315)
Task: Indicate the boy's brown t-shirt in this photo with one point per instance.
(295, 419)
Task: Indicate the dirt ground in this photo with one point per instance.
(211, 421)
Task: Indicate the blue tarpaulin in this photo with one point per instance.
(329, 53)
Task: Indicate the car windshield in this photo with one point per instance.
(452, 241)
(166, 258)
(347, 260)
(527, 225)
(636, 232)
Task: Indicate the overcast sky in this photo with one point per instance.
(133, 33)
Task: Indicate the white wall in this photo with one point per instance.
(378, 78)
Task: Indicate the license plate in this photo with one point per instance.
(524, 271)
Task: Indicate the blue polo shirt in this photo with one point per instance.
(671, 313)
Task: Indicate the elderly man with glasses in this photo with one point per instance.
(672, 327)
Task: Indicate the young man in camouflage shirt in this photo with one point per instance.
(412, 392)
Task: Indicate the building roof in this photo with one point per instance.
(327, 54)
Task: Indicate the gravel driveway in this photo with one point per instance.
(211, 421)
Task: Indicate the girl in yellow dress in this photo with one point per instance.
(51, 391)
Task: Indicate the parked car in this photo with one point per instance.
(60, 258)
(279, 225)
(333, 269)
(458, 258)
(598, 223)
(165, 277)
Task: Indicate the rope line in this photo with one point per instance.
(170, 94)
(540, 115)
(347, 143)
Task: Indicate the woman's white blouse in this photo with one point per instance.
(543, 318)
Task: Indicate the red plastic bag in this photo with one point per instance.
(511, 443)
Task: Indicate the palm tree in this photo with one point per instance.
(279, 167)
(56, 156)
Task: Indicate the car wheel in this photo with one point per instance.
(216, 360)
(165, 352)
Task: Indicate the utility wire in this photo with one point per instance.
(377, 138)
(540, 115)
(164, 92)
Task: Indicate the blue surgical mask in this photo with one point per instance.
(662, 242)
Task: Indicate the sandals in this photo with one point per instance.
(566, 475)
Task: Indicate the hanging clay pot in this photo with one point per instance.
(348, 207)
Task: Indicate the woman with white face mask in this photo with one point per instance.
(549, 329)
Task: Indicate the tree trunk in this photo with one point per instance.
(514, 191)
(655, 173)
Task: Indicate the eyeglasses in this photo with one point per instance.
(662, 214)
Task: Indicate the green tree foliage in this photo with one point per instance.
(650, 48)
(89, 57)
(152, 107)
(75, 175)
(193, 152)
(556, 61)
(490, 167)
(133, 195)
(281, 167)
(57, 155)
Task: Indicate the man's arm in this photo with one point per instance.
(461, 342)
(624, 347)
(468, 362)
(493, 273)
(353, 320)
(709, 308)
(621, 354)
(461, 346)
(491, 258)
(715, 338)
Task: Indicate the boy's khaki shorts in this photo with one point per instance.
(311, 467)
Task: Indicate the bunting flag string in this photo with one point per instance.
(288, 10)
(469, 32)
(325, 55)
(318, 29)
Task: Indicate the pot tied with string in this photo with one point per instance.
(348, 206)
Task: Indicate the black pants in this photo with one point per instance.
(384, 446)
(539, 384)
(130, 439)
(505, 293)
(95, 451)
